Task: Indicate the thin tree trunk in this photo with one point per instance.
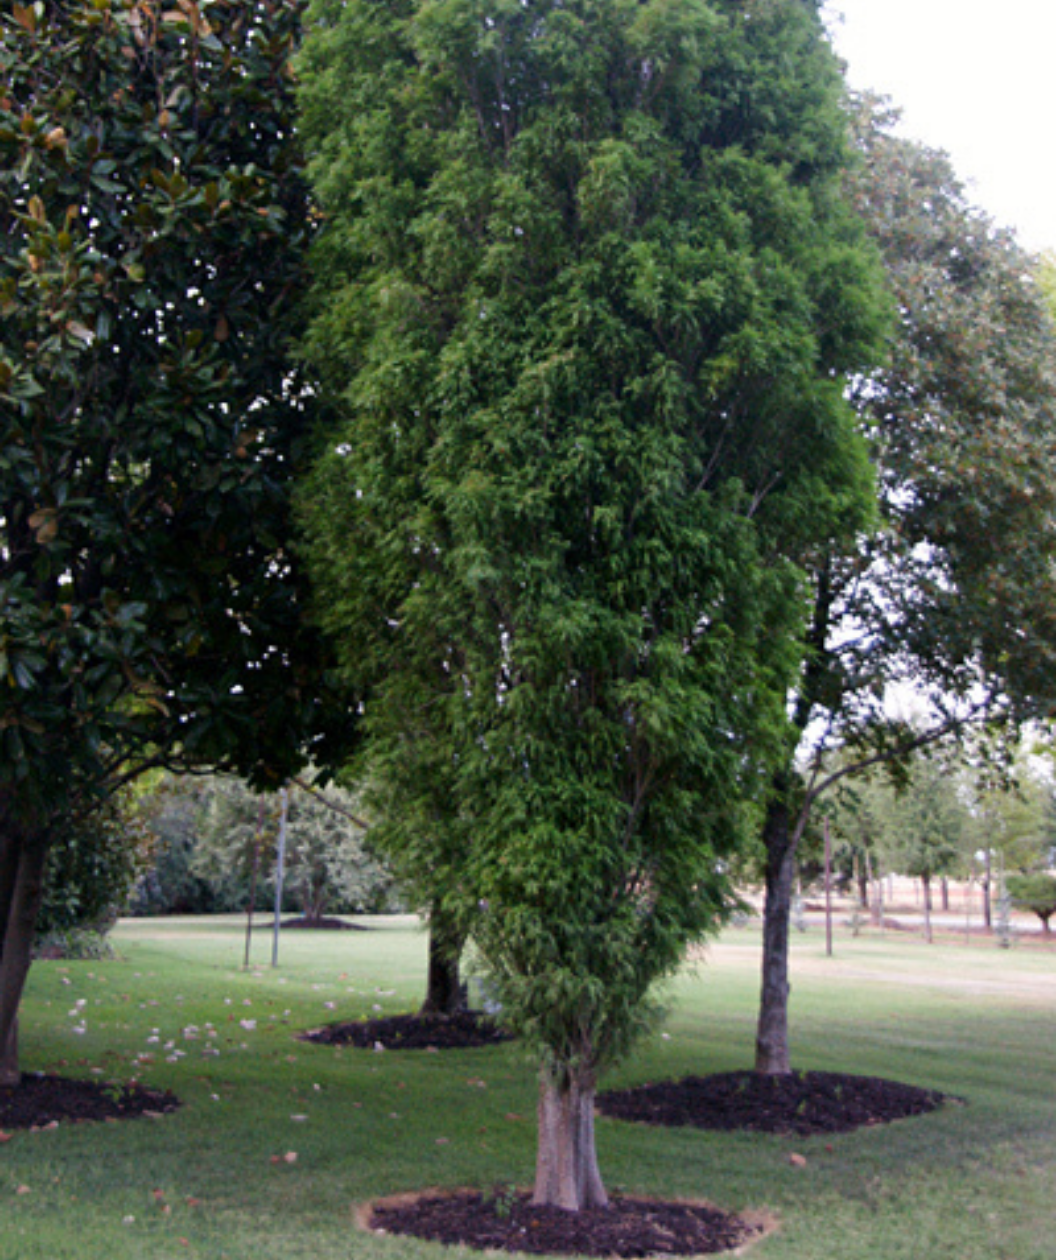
(926, 883)
(771, 1042)
(861, 877)
(945, 888)
(21, 891)
(566, 1170)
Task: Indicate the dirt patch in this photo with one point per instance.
(804, 1103)
(505, 1220)
(465, 1030)
(42, 1101)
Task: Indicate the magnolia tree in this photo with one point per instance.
(587, 292)
(153, 225)
(960, 418)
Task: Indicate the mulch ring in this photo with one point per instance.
(44, 1101)
(323, 924)
(505, 1220)
(804, 1103)
(462, 1031)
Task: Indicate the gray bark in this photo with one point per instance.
(566, 1170)
(771, 1042)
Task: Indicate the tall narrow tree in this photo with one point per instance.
(587, 290)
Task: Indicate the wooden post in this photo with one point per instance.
(253, 882)
(828, 891)
(280, 868)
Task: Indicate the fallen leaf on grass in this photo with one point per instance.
(22, 1190)
(797, 1161)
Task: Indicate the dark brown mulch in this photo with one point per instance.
(323, 924)
(462, 1031)
(507, 1222)
(45, 1100)
(804, 1103)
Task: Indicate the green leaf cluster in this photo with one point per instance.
(154, 224)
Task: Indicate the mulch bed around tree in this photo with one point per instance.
(465, 1030)
(42, 1100)
(804, 1103)
(323, 924)
(505, 1221)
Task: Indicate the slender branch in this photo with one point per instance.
(338, 809)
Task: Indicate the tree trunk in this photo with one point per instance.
(988, 919)
(861, 875)
(566, 1169)
(945, 887)
(443, 987)
(875, 899)
(21, 890)
(771, 1042)
(926, 883)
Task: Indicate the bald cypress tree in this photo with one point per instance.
(587, 292)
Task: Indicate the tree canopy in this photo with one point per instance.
(587, 293)
(960, 418)
(153, 225)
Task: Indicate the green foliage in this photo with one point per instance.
(587, 293)
(83, 944)
(92, 868)
(154, 221)
(173, 806)
(931, 821)
(1047, 280)
(961, 422)
(1015, 819)
(1035, 892)
(328, 865)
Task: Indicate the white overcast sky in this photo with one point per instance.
(973, 77)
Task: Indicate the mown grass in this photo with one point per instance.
(967, 1183)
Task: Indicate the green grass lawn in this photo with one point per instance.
(967, 1183)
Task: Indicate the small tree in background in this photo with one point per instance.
(327, 863)
(1037, 893)
(931, 824)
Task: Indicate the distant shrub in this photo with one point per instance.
(1036, 893)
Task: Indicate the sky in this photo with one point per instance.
(975, 78)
